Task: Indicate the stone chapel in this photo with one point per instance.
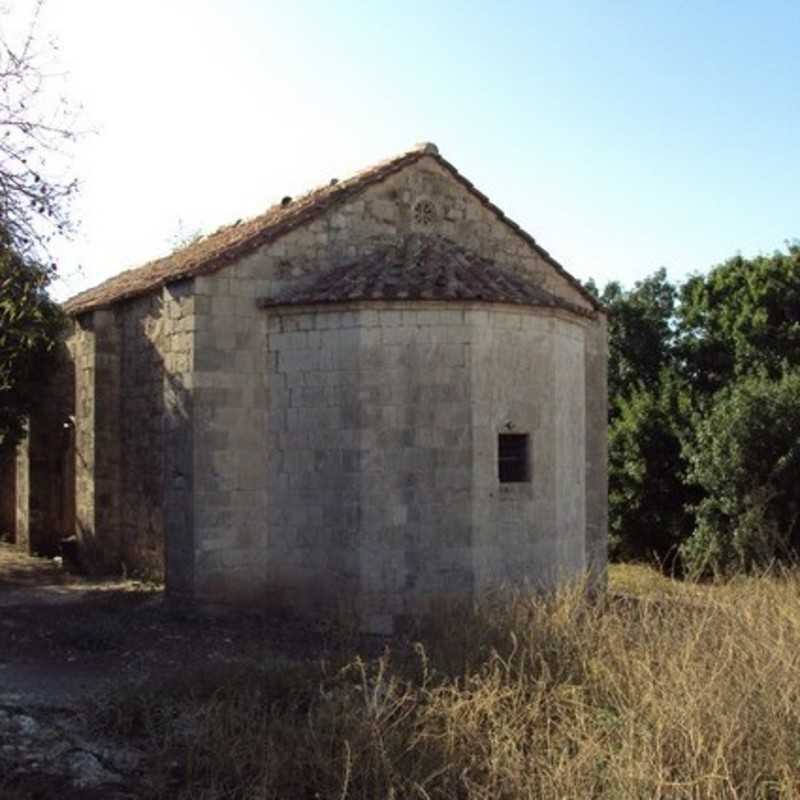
(380, 394)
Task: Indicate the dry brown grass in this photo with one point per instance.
(664, 692)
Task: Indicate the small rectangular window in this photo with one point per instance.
(512, 458)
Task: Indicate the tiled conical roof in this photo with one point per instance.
(421, 268)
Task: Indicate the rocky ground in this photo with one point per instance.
(65, 640)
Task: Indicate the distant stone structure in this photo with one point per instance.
(379, 394)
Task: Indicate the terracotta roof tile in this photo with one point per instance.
(230, 243)
(422, 268)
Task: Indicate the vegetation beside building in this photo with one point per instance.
(668, 689)
(704, 416)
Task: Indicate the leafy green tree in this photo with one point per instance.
(36, 124)
(30, 324)
(647, 518)
(743, 316)
(701, 437)
(649, 496)
(640, 334)
(745, 457)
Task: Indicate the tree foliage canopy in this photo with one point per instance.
(640, 333)
(703, 410)
(746, 457)
(647, 465)
(30, 323)
(34, 206)
(743, 316)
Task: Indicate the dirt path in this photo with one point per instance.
(18, 570)
(25, 580)
(52, 644)
(57, 641)
(64, 639)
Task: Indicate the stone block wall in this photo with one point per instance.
(81, 345)
(49, 446)
(8, 495)
(229, 398)
(41, 482)
(349, 452)
(22, 497)
(94, 346)
(596, 387)
(528, 379)
(107, 440)
(370, 459)
(248, 535)
(141, 327)
(177, 347)
(132, 374)
(382, 436)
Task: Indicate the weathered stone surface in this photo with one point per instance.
(40, 488)
(8, 495)
(133, 456)
(22, 503)
(346, 455)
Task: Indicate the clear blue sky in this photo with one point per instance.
(622, 135)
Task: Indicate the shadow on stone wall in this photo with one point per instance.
(8, 495)
(50, 492)
(37, 493)
(139, 484)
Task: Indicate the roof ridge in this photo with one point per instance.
(286, 216)
(231, 242)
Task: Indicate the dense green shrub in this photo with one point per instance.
(695, 376)
(30, 323)
(649, 496)
(640, 336)
(745, 456)
(740, 318)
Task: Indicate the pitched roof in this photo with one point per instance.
(422, 268)
(231, 243)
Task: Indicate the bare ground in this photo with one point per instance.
(63, 639)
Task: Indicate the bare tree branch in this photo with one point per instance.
(37, 128)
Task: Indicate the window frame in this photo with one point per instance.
(513, 458)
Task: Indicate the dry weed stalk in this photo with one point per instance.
(690, 694)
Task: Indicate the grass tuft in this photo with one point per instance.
(663, 691)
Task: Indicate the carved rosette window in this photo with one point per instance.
(424, 213)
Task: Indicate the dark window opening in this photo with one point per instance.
(512, 458)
